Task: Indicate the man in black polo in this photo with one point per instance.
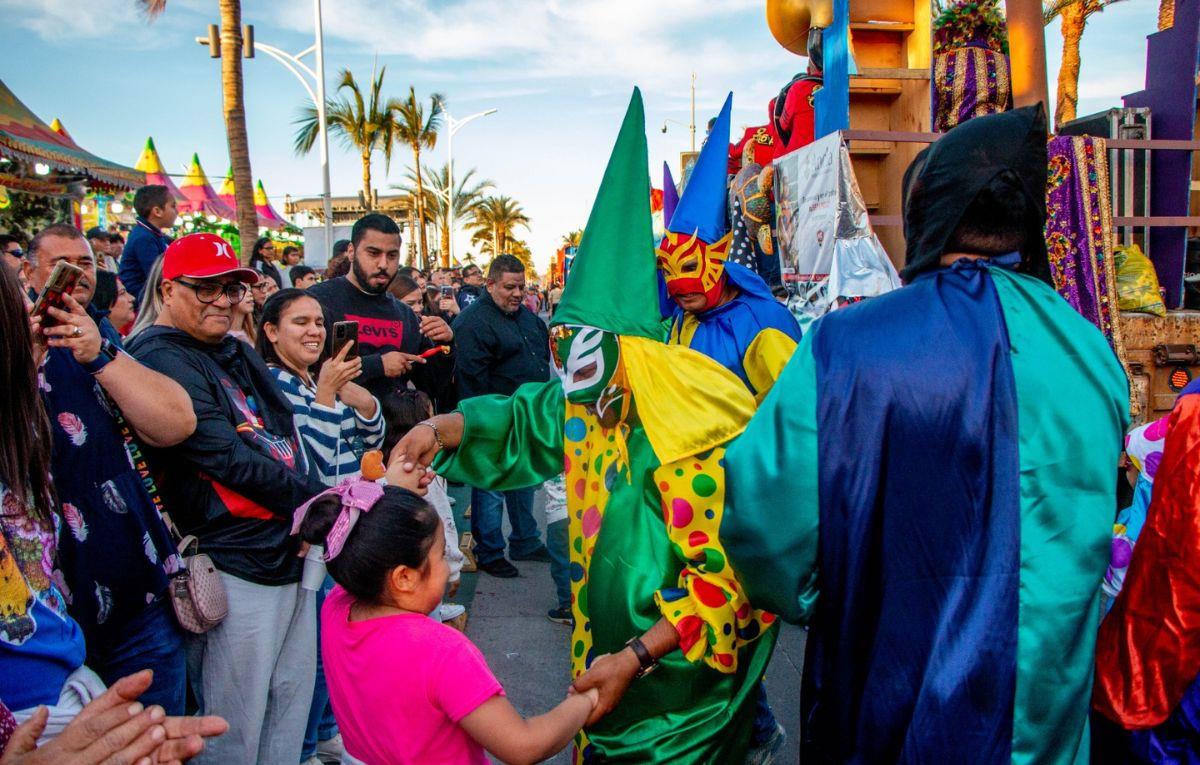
(502, 345)
(390, 336)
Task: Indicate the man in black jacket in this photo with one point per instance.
(502, 345)
(234, 484)
(390, 336)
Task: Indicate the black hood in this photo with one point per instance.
(945, 178)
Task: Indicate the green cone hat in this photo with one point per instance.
(613, 284)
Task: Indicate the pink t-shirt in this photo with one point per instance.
(400, 685)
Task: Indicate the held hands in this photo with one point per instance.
(609, 676)
(75, 331)
(414, 478)
(398, 363)
(436, 329)
(114, 730)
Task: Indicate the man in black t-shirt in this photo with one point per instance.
(390, 336)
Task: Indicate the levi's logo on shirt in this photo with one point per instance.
(378, 332)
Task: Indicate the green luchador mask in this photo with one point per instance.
(586, 360)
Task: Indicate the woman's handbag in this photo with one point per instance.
(196, 590)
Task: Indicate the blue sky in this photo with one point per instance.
(559, 71)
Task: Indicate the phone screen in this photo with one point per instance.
(62, 281)
(447, 292)
(345, 332)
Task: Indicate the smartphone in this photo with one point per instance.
(62, 281)
(447, 292)
(345, 332)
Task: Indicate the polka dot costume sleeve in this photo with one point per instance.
(708, 608)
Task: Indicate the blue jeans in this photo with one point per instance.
(151, 641)
(321, 725)
(487, 523)
(558, 543)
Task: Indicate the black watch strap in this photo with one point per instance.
(646, 662)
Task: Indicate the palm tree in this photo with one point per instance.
(573, 238)
(365, 124)
(1166, 14)
(419, 130)
(468, 193)
(494, 221)
(1074, 15)
(235, 112)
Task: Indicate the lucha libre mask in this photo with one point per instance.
(588, 361)
(691, 266)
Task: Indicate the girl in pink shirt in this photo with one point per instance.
(407, 689)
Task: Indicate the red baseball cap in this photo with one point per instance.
(203, 256)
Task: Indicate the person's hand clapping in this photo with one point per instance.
(114, 730)
(436, 329)
(335, 373)
(75, 331)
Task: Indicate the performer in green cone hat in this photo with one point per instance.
(641, 428)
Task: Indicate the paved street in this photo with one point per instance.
(528, 653)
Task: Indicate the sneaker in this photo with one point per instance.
(448, 612)
(330, 750)
(499, 568)
(765, 754)
(541, 555)
(561, 616)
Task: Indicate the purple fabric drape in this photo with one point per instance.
(1079, 230)
(969, 82)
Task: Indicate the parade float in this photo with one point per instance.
(820, 185)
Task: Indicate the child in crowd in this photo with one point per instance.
(407, 689)
(402, 410)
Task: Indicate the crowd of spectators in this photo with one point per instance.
(184, 403)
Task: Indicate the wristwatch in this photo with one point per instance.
(108, 352)
(646, 662)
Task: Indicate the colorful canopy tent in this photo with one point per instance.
(156, 175)
(201, 197)
(226, 195)
(265, 211)
(26, 138)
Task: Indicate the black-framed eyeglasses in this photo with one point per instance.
(210, 292)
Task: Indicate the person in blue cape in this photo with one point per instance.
(930, 484)
(721, 309)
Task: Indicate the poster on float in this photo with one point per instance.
(829, 256)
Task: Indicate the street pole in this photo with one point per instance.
(295, 64)
(455, 126)
(692, 126)
(326, 199)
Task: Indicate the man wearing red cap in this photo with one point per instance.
(234, 485)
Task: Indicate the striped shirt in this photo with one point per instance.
(335, 437)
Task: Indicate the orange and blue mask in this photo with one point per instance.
(692, 253)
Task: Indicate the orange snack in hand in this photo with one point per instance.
(372, 465)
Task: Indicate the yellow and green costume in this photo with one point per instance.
(645, 495)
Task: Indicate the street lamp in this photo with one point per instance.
(691, 127)
(455, 126)
(295, 65)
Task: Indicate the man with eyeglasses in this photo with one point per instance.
(234, 485)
